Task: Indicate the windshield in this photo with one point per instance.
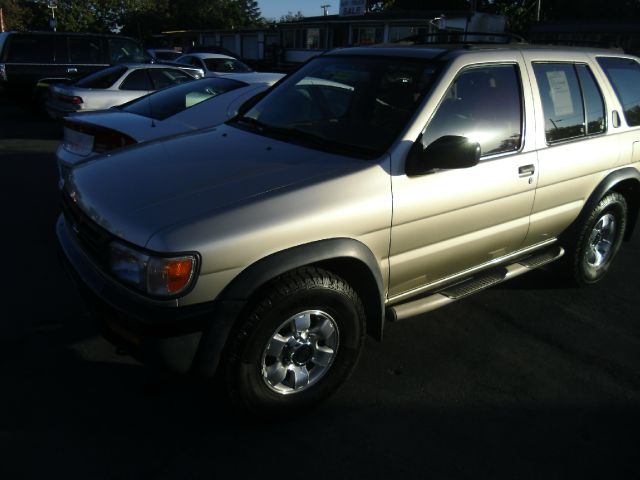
(225, 65)
(168, 102)
(357, 103)
(104, 78)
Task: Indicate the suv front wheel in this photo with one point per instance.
(599, 239)
(297, 344)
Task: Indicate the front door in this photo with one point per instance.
(447, 221)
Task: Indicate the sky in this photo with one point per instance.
(310, 8)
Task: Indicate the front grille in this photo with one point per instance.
(92, 237)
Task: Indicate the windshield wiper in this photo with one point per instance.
(304, 137)
(252, 122)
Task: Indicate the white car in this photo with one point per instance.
(114, 86)
(202, 103)
(214, 64)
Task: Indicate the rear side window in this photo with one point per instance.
(166, 103)
(102, 79)
(483, 104)
(572, 104)
(165, 77)
(137, 80)
(624, 75)
(84, 50)
(593, 101)
(31, 49)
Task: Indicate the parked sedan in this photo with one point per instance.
(214, 64)
(199, 104)
(114, 86)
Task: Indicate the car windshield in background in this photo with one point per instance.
(357, 104)
(101, 79)
(163, 104)
(226, 65)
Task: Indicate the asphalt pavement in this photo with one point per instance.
(526, 380)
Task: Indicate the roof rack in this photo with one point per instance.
(459, 37)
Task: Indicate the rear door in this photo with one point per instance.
(577, 145)
(86, 54)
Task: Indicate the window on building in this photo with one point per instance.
(289, 39)
(312, 39)
(400, 32)
(368, 35)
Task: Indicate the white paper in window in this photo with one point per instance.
(560, 93)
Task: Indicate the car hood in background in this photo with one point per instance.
(149, 187)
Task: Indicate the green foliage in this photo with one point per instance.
(138, 18)
(291, 17)
(16, 16)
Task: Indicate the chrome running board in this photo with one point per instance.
(473, 284)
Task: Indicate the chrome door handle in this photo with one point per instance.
(526, 170)
(72, 70)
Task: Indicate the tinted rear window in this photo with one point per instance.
(226, 65)
(624, 75)
(31, 49)
(102, 78)
(166, 103)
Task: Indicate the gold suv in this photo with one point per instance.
(372, 183)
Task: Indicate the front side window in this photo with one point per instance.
(483, 104)
(572, 104)
(125, 50)
(165, 77)
(624, 75)
(357, 104)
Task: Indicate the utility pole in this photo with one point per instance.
(1, 21)
(325, 8)
(52, 22)
(539, 7)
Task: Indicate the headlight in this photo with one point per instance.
(160, 276)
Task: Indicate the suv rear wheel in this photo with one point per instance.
(297, 344)
(599, 239)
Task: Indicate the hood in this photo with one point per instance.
(148, 187)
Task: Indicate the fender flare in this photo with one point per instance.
(607, 184)
(361, 265)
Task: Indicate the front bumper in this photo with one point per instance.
(179, 339)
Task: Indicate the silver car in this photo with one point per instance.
(202, 103)
(114, 86)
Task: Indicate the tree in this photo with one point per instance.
(292, 17)
(16, 16)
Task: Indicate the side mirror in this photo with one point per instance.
(450, 151)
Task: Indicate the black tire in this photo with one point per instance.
(598, 240)
(313, 293)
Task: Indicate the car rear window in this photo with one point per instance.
(102, 79)
(225, 65)
(624, 75)
(165, 103)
